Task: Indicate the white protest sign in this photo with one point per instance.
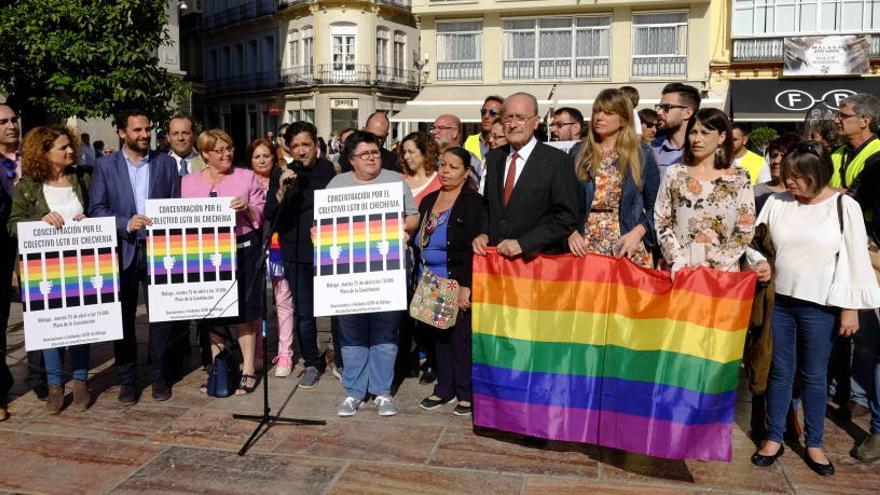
(191, 259)
(359, 250)
(69, 283)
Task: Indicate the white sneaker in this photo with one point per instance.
(349, 406)
(386, 405)
(282, 371)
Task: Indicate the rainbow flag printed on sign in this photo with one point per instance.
(358, 244)
(598, 350)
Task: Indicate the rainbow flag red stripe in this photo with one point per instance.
(601, 351)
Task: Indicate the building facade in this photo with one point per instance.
(562, 51)
(776, 63)
(329, 62)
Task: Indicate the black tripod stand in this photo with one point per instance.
(266, 419)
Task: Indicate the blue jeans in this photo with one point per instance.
(866, 364)
(369, 349)
(300, 278)
(803, 333)
(55, 363)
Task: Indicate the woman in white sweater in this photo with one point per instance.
(823, 276)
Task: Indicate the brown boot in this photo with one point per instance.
(81, 396)
(56, 399)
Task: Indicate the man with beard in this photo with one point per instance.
(678, 103)
(121, 185)
(567, 125)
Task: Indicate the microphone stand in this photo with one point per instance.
(266, 418)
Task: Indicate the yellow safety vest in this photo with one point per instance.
(472, 144)
(854, 167)
(753, 163)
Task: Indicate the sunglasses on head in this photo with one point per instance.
(812, 147)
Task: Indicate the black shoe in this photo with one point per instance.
(820, 469)
(161, 391)
(462, 410)
(42, 392)
(429, 404)
(767, 460)
(128, 395)
(428, 377)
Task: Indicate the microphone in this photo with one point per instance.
(298, 168)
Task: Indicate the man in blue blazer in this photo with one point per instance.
(121, 184)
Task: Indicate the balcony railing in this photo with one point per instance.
(397, 77)
(239, 13)
(770, 49)
(459, 71)
(283, 4)
(325, 74)
(659, 66)
(245, 82)
(400, 4)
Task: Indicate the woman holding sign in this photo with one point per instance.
(221, 179)
(369, 340)
(53, 190)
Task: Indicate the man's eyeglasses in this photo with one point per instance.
(516, 119)
(560, 125)
(666, 107)
(490, 111)
(844, 115)
(439, 128)
(366, 155)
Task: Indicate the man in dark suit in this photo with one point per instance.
(532, 196)
(121, 184)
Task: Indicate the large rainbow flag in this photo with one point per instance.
(598, 350)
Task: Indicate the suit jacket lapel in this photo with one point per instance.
(501, 175)
(125, 180)
(154, 173)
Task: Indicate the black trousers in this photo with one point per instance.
(453, 354)
(125, 351)
(7, 259)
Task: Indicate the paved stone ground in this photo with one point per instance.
(188, 445)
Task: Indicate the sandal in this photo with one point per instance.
(243, 388)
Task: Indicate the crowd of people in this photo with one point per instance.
(672, 188)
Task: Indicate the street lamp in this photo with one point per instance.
(182, 4)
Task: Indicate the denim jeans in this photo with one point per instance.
(300, 279)
(866, 364)
(803, 333)
(55, 363)
(369, 349)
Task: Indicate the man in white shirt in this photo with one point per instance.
(86, 153)
(182, 140)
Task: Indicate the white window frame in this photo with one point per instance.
(293, 55)
(383, 37)
(308, 39)
(816, 28)
(342, 32)
(398, 53)
(478, 62)
(573, 58)
(658, 56)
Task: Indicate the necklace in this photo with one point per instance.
(430, 225)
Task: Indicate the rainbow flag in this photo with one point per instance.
(598, 350)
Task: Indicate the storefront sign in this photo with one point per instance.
(343, 103)
(786, 99)
(273, 110)
(825, 55)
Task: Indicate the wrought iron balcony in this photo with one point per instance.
(344, 74)
(396, 77)
(245, 82)
(283, 4)
(252, 9)
(459, 71)
(297, 76)
(400, 4)
(770, 49)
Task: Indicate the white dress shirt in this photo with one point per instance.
(524, 154)
(189, 159)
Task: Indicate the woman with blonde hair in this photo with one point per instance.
(54, 190)
(619, 179)
(220, 179)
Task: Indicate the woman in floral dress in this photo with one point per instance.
(705, 211)
(619, 179)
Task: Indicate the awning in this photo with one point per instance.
(465, 101)
(788, 100)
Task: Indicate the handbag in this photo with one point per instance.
(435, 301)
(224, 376)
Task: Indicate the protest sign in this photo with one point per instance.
(359, 251)
(69, 283)
(191, 259)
